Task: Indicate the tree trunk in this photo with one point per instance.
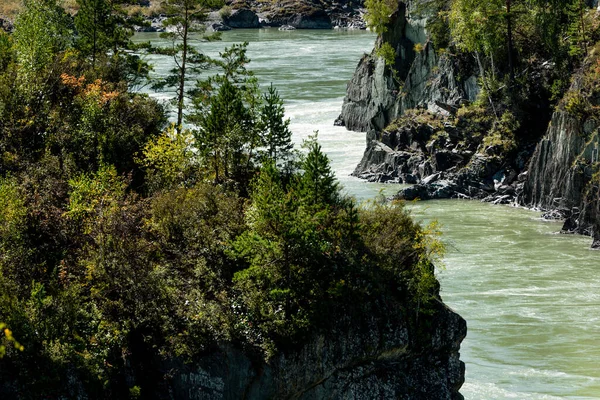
(509, 37)
(582, 19)
(485, 85)
(181, 91)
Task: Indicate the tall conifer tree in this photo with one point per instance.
(94, 24)
(184, 20)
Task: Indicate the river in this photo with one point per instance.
(531, 297)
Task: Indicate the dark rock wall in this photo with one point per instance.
(560, 173)
(555, 180)
(395, 360)
(242, 18)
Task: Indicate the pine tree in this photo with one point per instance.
(220, 135)
(276, 134)
(184, 19)
(94, 25)
(225, 112)
(318, 184)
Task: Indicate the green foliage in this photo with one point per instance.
(275, 129)
(579, 101)
(13, 226)
(501, 137)
(226, 112)
(387, 52)
(223, 131)
(225, 12)
(40, 34)
(13, 212)
(119, 254)
(294, 240)
(95, 26)
(318, 185)
(95, 194)
(478, 25)
(402, 249)
(135, 392)
(169, 160)
(438, 24)
(576, 104)
(8, 337)
(378, 14)
(6, 51)
(105, 125)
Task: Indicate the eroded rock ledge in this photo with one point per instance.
(444, 157)
(377, 359)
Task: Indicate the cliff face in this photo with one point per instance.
(380, 360)
(367, 358)
(563, 171)
(427, 144)
(424, 79)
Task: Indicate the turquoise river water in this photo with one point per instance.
(531, 297)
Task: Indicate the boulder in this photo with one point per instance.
(314, 19)
(242, 18)
(219, 27)
(6, 25)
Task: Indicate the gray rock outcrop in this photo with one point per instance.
(423, 79)
(380, 360)
(561, 171)
(441, 157)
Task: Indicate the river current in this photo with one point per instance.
(531, 297)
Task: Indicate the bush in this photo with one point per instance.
(225, 12)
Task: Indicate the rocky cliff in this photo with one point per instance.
(563, 175)
(423, 78)
(374, 359)
(417, 133)
(393, 352)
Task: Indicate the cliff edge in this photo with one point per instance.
(376, 359)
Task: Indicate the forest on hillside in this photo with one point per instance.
(126, 240)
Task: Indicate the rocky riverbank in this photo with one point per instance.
(414, 133)
(424, 127)
(286, 15)
(443, 157)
